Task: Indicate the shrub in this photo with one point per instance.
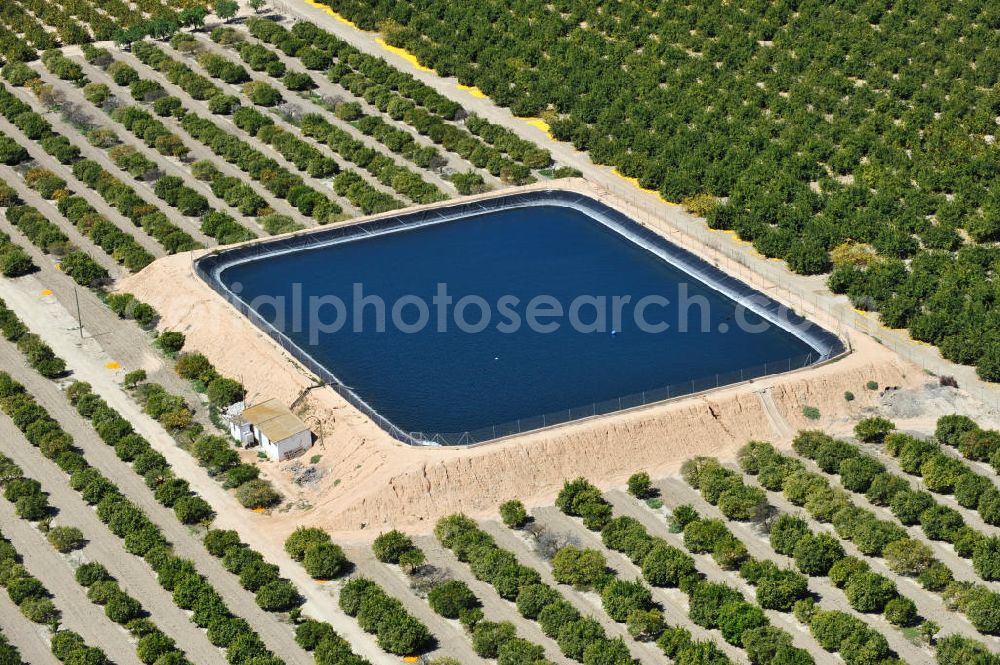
(277, 596)
(707, 599)
(857, 473)
(555, 616)
(192, 510)
(908, 557)
(786, 531)
(324, 560)
(640, 486)
(122, 608)
(701, 536)
(390, 546)
(134, 378)
(576, 636)
(874, 430)
(845, 569)
(950, 429)
(901, 612)
(941, 523)
(743, 503)
(621, 597)
(450, 598)
(533, 598)
(578, 567)
(736, 618)
(257, 494)
(645, 625)
(941, 473)
(91, 572)
(513, 514)
(777, 589)
(815, 554)
(300, 539)
(261, 93)
(982, 610)
(170, 341)
(667, 566)
(217, 541)
(65, 538)
(488, 637)
(908, 505)
(986, 558)
(869, 592)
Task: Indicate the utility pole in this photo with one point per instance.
(79, 318)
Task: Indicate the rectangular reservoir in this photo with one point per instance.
(467, 322)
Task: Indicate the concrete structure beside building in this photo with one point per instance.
(271, 424)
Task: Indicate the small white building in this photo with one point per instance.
(280, 433)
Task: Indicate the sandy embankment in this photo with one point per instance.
(373, 483)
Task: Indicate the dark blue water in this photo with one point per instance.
(452, 381)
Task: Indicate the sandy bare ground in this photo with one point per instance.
(78, 613)
(31, 640)
(373, 483)
(131, 571)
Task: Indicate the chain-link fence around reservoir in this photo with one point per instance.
(624, 403)
(826, 345)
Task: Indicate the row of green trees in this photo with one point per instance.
(580, 638)
(401, 179)
(398, 631)
(404, 98)
(941, 473)
(38, 354)
(14, 261)
(872, 536)
(711, 605)
(35, 602)
(215, 224)
(142, 213)
(152, 644)
(141, 536)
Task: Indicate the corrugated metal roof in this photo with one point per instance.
(274, 419)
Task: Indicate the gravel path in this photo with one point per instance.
(131, 571)
(31, 640)
(78, 613)
(87, 361)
